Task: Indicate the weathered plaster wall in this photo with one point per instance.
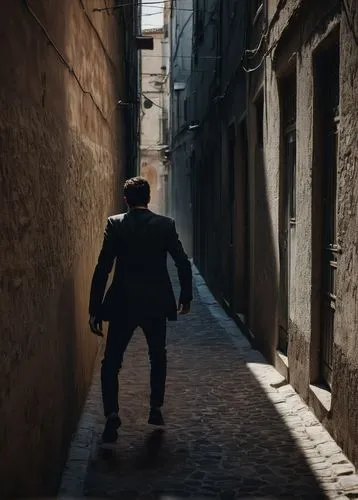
(153, 170)
(293, 49)
(58, 182)
(345, 378)
(296, 49)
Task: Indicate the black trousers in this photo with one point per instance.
(119, 335)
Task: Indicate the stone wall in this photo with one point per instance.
(298, 33)
(61, 162)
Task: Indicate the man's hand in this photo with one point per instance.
(96, 326)
(184, 308)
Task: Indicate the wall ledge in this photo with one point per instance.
(320, 400)
(281, 364)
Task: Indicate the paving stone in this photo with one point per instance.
(230, 433)
(328, 449)
(313, 459)
(343, 469)
(349, 484)
(338, 458)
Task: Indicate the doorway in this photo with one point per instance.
(326, 144)
(287, 205)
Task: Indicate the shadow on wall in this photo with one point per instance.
(265, 282)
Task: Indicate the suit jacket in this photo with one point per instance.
(139, 241)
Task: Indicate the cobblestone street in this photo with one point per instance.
(232, 430)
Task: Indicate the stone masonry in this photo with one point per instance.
(234, 428)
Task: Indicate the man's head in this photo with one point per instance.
(137, 192)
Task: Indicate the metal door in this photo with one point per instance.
(328, 88)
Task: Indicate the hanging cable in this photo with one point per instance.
(108, 57)
(150, 100)
(253, 52)
(140, 4)
(349, 21)
(63, 59)
(268, 52)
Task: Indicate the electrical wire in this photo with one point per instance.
(349, 21)
(182, 9)
(132, 4)
(212, 12)
(105, 3)
(152, 14)
(252, 53)
(258, 66)
(108, 57)
(179, 36)
(149, 5)
(63, 59)
(150, 100)
(184, 57)
(251, 70)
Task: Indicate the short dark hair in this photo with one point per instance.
(137, 191)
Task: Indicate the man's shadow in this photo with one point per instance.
(148, 455)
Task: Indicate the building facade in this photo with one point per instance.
(180, 201)
(154, 118)
(273, 157)
(310, 119)
(65, 151)
(208, 130)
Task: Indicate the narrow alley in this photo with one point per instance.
(237, 122)
(231, 429)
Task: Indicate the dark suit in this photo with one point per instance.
(141, 293)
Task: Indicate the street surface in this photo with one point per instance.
(232, 431)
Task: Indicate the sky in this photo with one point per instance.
(152, 14)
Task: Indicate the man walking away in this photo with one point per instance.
(140, 294)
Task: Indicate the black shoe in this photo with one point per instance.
(110, 434)
(155, 417)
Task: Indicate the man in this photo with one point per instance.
(141, 294)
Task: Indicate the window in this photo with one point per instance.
(289, 141)
(327, 95)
